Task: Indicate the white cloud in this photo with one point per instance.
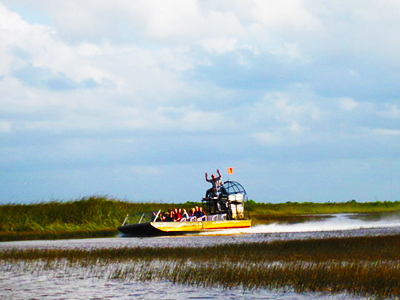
(177, 22)
(5, 126)
(277, 24)
(286, 107)
(42, 49)
(285, 14)
(348, 104)
(393, 112)
(185, 21)
(88, 49)
(267, 138)
(296, 128)
(382, 131)
(186, 119)
(133, 83)
(220, 46)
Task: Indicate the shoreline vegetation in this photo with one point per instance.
(99, 216)
(360, 266)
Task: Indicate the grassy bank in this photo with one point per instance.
(56, 235)
(100, 216)
(366, 266)
(87, 217)
(295, 208)
(263, 213)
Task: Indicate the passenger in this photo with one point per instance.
(160, 217)
(199, 214)
(163, 217)
(202, 212)
(153, 216)
(185, 215)
(216, 185)
(170, 215)
(191, 214)
(177, 216)
(196, 212)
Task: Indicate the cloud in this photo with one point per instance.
(285, 108)
(267, 138)
(381, 131)
(392, 112)
(288, 15)
(119, 87)
(146, 84)
(36, 49)
(188, 22)
(5, 126)
(348, 104)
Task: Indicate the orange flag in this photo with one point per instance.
(230, 170)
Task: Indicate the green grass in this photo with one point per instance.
(294, 208)
(361, 266)
(370, 248)
(87, 217)
(55, 235)
(99, 216)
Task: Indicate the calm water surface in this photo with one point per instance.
(25, 282)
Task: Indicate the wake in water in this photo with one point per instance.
(331, 223)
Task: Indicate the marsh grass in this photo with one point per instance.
(327, 207)
(263, 213)
(98, 216)
(358, 279)
(94, 216)
(54, 235)
(366, 266)
(87, 213)
(371, 248)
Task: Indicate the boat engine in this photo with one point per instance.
(230, 201)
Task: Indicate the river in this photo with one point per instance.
(25, 282)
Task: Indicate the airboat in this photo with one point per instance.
(225, 211)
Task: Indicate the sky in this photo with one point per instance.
(136, 100)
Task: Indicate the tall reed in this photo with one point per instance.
(366, 266)
(295, 208)
(90, 213)
(366, 248)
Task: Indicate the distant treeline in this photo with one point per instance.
(90, 215)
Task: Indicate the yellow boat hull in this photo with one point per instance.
(174, 228)
(200, 226)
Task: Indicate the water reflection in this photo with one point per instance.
(48, 286)
(379, 216)
(294, 219)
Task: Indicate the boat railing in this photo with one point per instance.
(145, 217)
(148, 217)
